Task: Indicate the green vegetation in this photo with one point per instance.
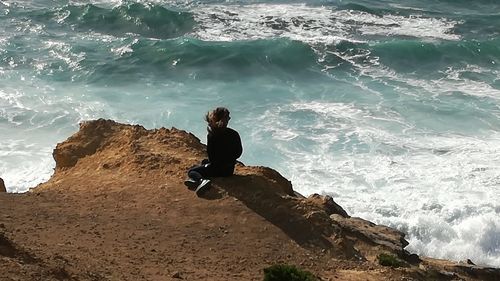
(283, 272)
(390, 260)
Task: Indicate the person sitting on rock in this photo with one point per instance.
(223, 149)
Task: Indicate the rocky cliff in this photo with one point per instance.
(116, 209)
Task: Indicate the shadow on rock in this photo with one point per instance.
(269, 200)
(10, 250)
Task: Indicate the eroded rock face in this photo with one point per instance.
(81, 144)
(2, 186)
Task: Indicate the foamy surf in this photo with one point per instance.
(312, 24)
(436, 187)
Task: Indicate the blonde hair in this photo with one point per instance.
(217, 118)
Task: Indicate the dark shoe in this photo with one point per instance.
(191, 184)
(202, 187)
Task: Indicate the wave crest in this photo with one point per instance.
(213, 60)
(146, 20)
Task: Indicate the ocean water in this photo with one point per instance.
(392, 107)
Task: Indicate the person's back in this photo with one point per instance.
(223, 149)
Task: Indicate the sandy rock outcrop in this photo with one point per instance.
(116, 209)
(105, 144)
(316, 222)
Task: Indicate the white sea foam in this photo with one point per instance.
(32, 121)
(33, 163)
(476, 237)
(311, 24)
(412, 26)
(441, 189)
(61, 51)
(124, 49)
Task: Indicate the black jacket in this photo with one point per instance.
(223, 147)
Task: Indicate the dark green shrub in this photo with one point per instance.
(390, 260)
(283, 272)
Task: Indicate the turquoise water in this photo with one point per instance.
(391, 107)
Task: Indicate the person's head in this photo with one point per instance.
(218, 118)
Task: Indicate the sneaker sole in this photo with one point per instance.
(202, 188)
